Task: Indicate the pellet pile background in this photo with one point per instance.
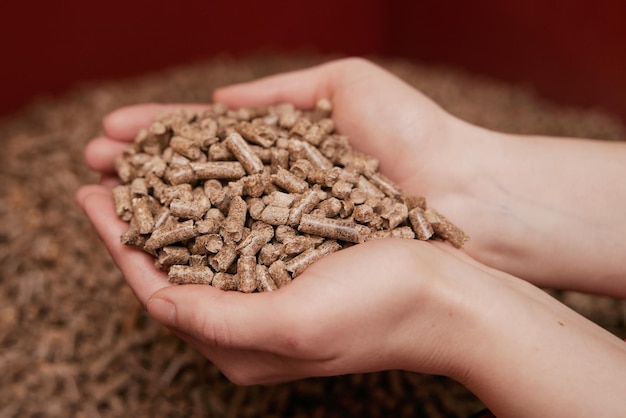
(73, 340)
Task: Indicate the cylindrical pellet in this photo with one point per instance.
(421, 226)
(220, 170)
(190, 275)
(333, 228)
(240, 148)
(264, 280)
(299, 263)
(246, 271)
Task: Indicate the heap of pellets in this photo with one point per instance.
(247, 199)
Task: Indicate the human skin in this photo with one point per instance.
(424, 307)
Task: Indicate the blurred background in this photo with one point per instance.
(573, 52)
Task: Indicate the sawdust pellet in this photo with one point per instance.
(333, 228)
(240, 148)
(305, 204)
(270, 252)
(299, 263)
(261, 233)
(423, 229)
(384, 184)
(187, 209)
(138, 187)
(275, 215)
(297, 244)
(190, 275)
(122, 200)
(265, 282)
(220, 170)
(278, 271)
(288, 181)
(186, 147)
(224, 258)
(169, 235)
(246, 272)
(142, 215)
(183, 174)
(256, 195)
(225, 281)
(234, 222)
(445, 229)
(255, 208)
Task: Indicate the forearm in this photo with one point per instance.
(536, 357)
(549, 210)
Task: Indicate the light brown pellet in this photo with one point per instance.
(240, 148)
(270, 252)
(142, 215)
(187, 209)
(279, 158)
(138, 187)
(180, 175)
(234, 222)
(265, 282)
(220, 170)
(197, 260)
(301, 168)
(421, 226)
(445, 229)
(275, 215)
(190, 275)
(171, 255)
(333, 228)
(122, 200)
(186, 147)
(225, 281)
(169, 235)
(246, 272)
(395, 213)
(289, 181)
(384, 184)
(224, 258)
(305, 204)
(278, 271)
(260, 234)
(255, 207)
(401, 232)
(299, 263)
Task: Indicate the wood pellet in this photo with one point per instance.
(247, 199)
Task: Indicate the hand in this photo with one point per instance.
(357, 310)
(345, 83)
(392, 304)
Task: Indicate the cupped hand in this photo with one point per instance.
(389, 304)
(347, 313)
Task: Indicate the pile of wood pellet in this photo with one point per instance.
(247, 199)
(75, 343)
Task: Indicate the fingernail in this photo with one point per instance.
(162, 310)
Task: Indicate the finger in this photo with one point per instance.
(124, 123)
(101, 152)
(137, 266)
(303, 88)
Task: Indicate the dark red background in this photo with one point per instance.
(573, 51)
